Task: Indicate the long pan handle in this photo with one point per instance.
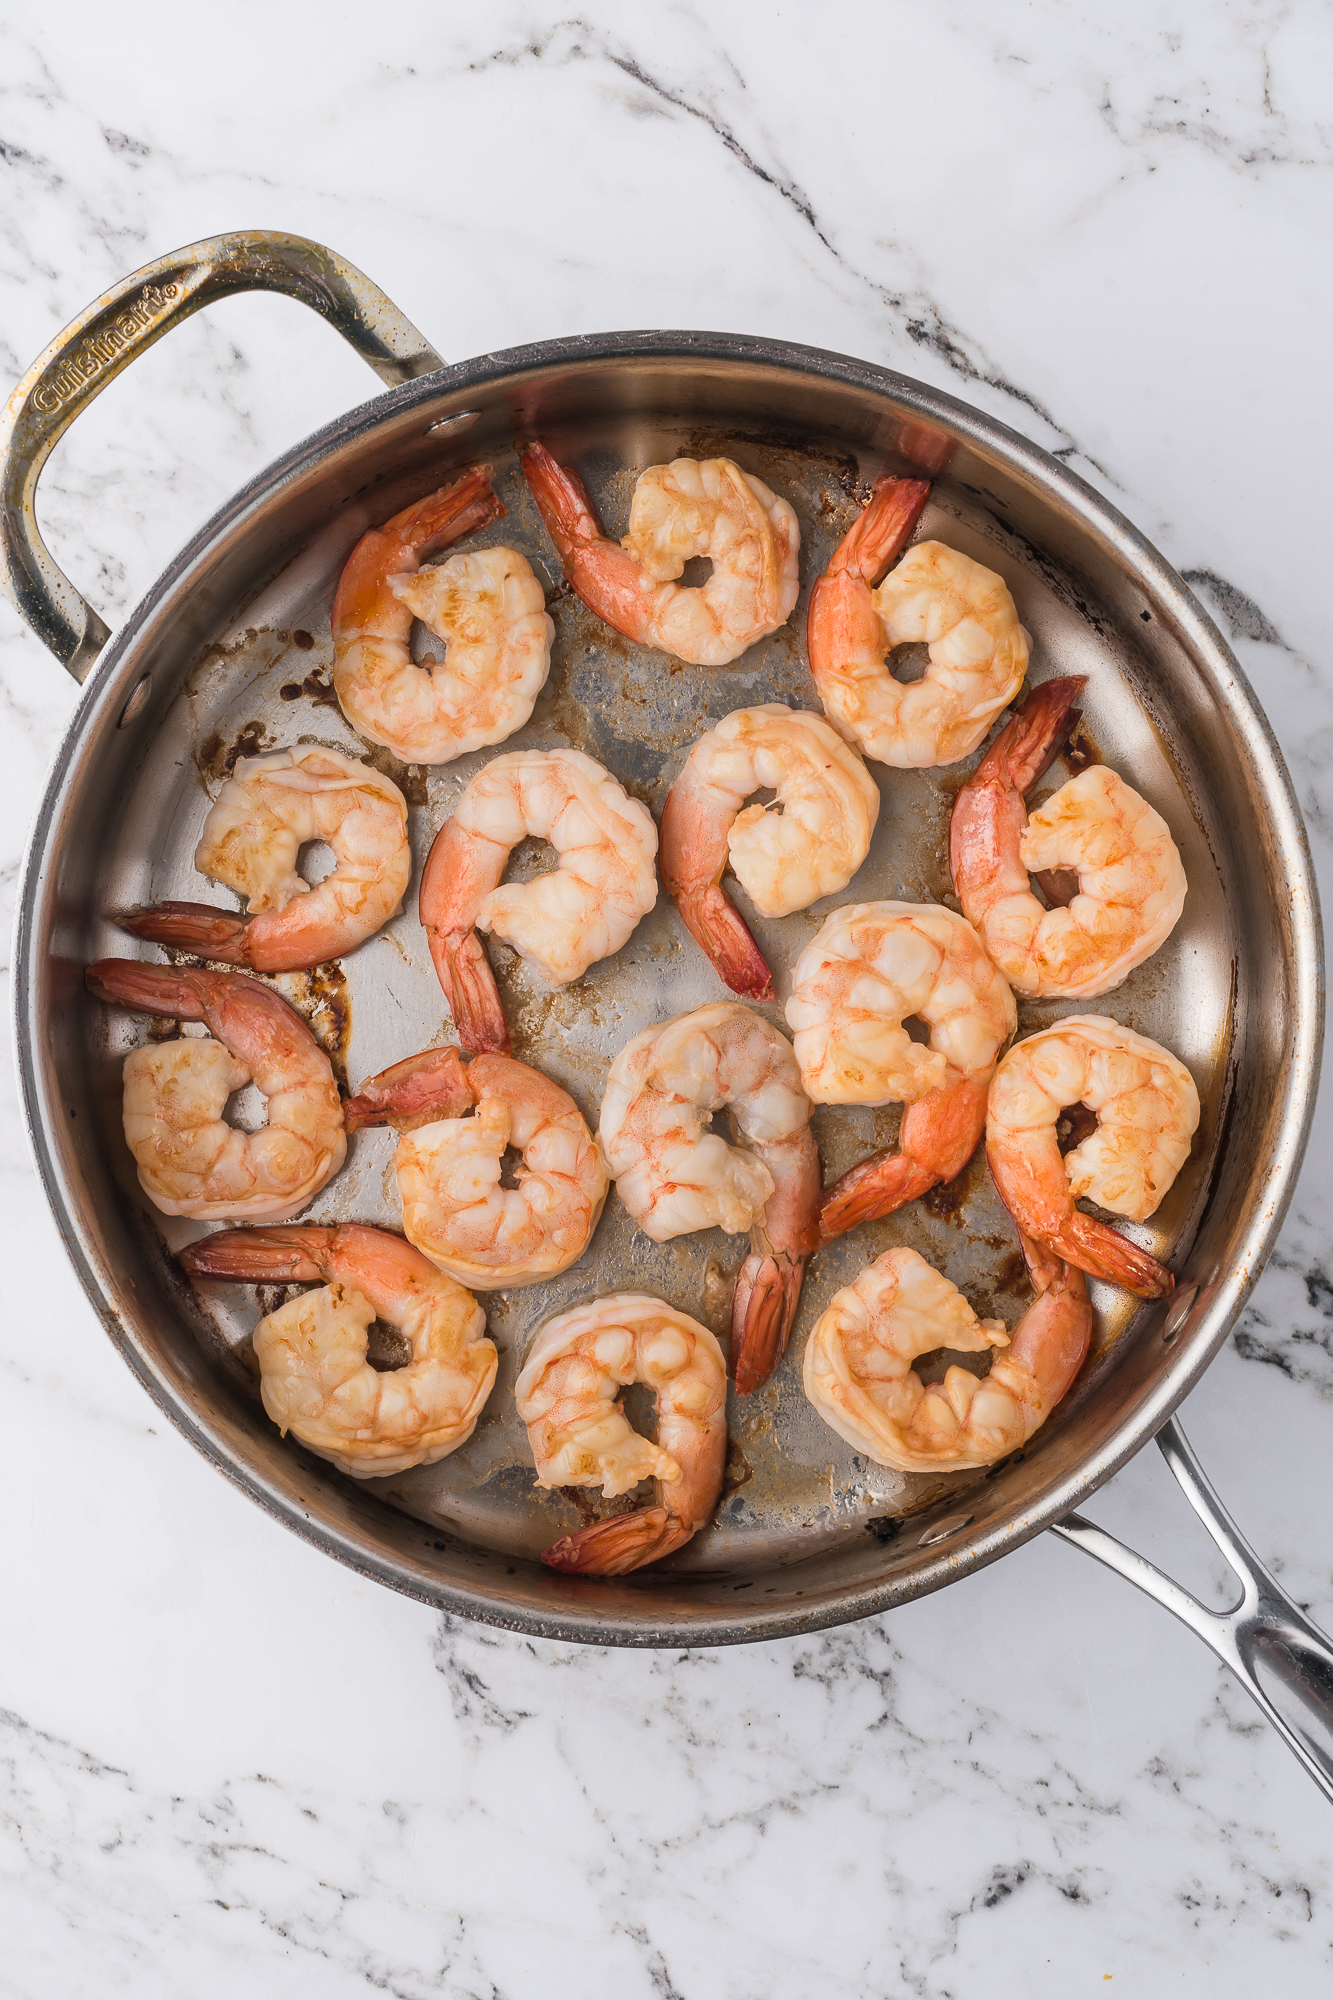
(1264, 1629)
(115, 329)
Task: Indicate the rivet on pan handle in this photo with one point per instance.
(102, 341)
(1264, 1628)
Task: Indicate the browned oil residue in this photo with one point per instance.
(321, 995)
(409, 778)
(271, 1298)
(715, 1300)
(1081, 751)
(1074, 1125)
(945, 1201)
(739, 1470)
(216, 758)
(386, 1347)
(316, 687)
(305, 640)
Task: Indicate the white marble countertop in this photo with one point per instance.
(224, 1760)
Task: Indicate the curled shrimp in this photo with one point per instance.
(692, 507)
(568, 1396)
(262, 817)
(858, 1369)
(561, 922)
(457, 1120)
(190, 1160)
(485, 604)
(871, 967)
(809, 844)
(963, 611)
(674, 1175)
(1147, 1109)
(1130, 881)
(314, 1376)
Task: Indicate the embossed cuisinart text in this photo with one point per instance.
(101, 349)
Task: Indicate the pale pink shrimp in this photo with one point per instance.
(267, 811)
(190, 1160)
(808, 844)
(315, 1378)
(1105, 860)
(563, 921)
(1147, 1110)
(568, 1395)
(692, 507)
(963, 611)
(457, 1120)
(675, 1175)
(858, 1369)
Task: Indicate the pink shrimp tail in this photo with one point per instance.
(150, 989)
(443, 518)
(883, 529)
(722, 934)
(606, 576)
(763, 1310)
(416, 1091)
(940, 1133)
(1079, 1239)
(260, 1256)
(1053, 1337)
(1029, 744)
(451, 891)
(614, 1547)
(562, 500)
(198, 927)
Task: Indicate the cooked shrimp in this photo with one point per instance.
(674, 1175)
(315, 1378)
(561, 922)
(1130, 886)
(262, 817)
(191, 1161)
(568, 1396)
(487, 607)
(692, 507)
(858, 1369)
(870, 968)
(809, 844)
(448, 1165)
(1147, 1109)
(963, 611)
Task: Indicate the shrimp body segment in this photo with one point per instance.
(674, 1175)
(960, 609)
(485, 604)
(1147, 1110)
(858, 1369)
(1131, 883)
(315, 1379)
(190, 1160)
(561, 922)
(265, 813)
(568, 1396)
(457, 1121)
(808, 844)
(692, 507)
(871, 967)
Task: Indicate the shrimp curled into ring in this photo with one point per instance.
(963, 611)
(1131, 884)
(871, 967)
(255, 830)
(858, 1369)
(190, 1160)
(485, 604)
(809, 844)
(1147, 1110)
(448, 1165)
(674, 1175)
(561, 922)
(692, 507)
(314, 1376)
(567, 1394)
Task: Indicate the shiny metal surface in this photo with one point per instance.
(232, 648)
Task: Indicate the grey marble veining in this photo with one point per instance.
(221, 1757)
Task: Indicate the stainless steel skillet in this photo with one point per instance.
(228, 652)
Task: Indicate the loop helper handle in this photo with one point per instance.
(1264, 1628)
(115, 329)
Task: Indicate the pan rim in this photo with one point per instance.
(1268, 1200)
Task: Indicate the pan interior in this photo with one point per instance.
(805, 1521)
